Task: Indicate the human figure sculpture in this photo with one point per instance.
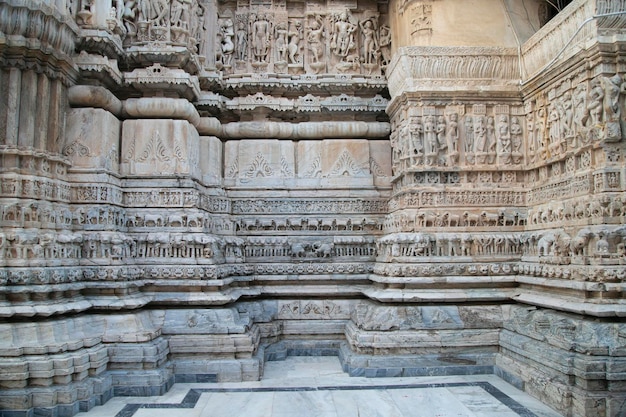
(441, 133)
(480, 134)
(227, 44)
(241, 37)
(261, 37)
(596, 97)
(612, 112)
(294, 43)
(314, 37)
(180, 13)
(491, 135)
(504, 139)
(516, 136)
(415, 141)
(567, 120)
(129, 16)
(342, 41)
(554, 130)
(384, 44)
(469, 139)
(430, 139)
(453, 133)
(160, 9)
(280, 43)
(370, 42)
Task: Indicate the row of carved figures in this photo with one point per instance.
(589, 113)
(181, 22)
(439, 140)
(31, 214)
(105, 217)
(316, 43)
(28, 245)
(308, 223)
(557, 211)
(403, 222)
(555, 245)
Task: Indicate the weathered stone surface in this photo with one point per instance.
(189, 189)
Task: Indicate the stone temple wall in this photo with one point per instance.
(192, 188)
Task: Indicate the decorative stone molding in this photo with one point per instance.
(424, 68)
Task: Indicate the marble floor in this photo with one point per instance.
(317, 387)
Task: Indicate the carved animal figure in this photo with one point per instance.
(298, 250)
(581, 241)
(195, 220)
(153, 220)
(323, 250)
(472, 219)
(175, 220)
(491, 219)
(554, 243)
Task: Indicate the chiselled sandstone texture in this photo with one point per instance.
(190, 188)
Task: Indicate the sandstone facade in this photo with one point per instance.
(192, 187)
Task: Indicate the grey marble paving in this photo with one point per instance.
(316, 387)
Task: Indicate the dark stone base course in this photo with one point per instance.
(193, 395)
(407, 366)
(143, 391)
(282, 350)
(509, 377)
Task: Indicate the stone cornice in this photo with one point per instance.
(424, 67)
(35, 36)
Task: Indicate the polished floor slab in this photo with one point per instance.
(317, 387)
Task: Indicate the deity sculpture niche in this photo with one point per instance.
(612, 112)
(261, 39)
(281, 47)
(129, 19)
(315, 38)
(504, 147)
(370, 54)
(384, 44)
(180, 20)
(452, 139)
(516, 141)
(431, 144)
(153, 20)
(343, 42)
(554, 129)
(293, 47)
(227, 46)
(242, 44)
(416, 141)
(480, 139)
(469, 140)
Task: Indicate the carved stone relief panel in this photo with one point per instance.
(159, 147)
(263, 161)
(151, 23)
(342, 37)
(335, 162)
(92, 139)
(576, 114)
(458, 136)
